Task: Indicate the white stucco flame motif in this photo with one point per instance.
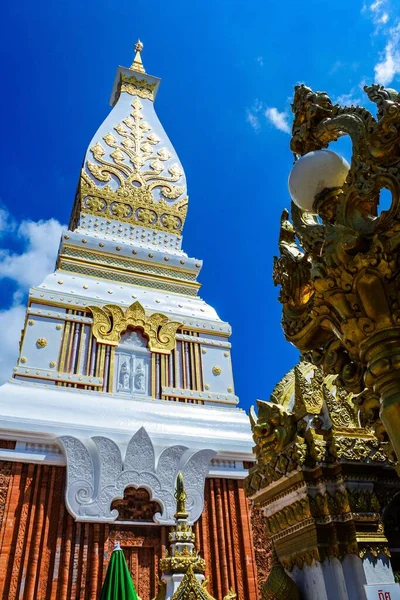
(97, 475)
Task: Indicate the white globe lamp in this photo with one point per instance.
(314, 172)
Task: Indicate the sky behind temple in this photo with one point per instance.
(228, 69)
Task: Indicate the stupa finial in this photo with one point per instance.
(137, 64)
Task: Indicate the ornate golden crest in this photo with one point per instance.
(111, 321)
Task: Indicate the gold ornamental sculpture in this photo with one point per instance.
(321, 482)
(137, 163)
(130, 177)
(339, 264)
(110, 321)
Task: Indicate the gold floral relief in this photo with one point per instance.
(150, 191)
(111, 321)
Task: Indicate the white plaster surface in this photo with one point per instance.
(355, 577)
(310, 581)
(342, 580)
(57, 411)
(377, 570)
(334, 580)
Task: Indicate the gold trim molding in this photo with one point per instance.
(111, 321)
(137, 87)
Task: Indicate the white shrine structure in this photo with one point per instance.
(124, 373)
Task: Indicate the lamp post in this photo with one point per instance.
(339, 264)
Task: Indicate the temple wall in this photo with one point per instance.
(46, 555)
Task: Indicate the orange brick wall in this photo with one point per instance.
(46, 555)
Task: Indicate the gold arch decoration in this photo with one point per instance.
(111, 321)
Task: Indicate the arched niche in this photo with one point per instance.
(132, 364)
(136, 506)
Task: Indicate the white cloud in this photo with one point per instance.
(389, 66)
(7, 224)
(11, 324)
(252, 115)
(336, 67)
(350, 99)
(377, 10)
(377, 5)
(387, 27)
(39, 240)
(260, 60)
(280, 120)
(253, 120)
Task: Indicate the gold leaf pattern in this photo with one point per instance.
(137, 166)
(137, 87)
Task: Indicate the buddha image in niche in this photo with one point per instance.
(139, 383)
(124, 377)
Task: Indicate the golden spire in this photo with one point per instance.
(137, 64)
(180, 497)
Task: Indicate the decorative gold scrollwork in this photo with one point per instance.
(149, 191)
(111, 321)
(339, 272)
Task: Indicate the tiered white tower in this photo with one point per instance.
(124, 372)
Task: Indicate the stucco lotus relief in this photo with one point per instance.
(97, 474)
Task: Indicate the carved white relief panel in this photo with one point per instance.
(97, 475)
(132, 365)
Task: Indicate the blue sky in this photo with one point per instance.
(228, 69)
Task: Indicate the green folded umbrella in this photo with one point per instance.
(118, 584)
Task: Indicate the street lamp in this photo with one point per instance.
(339, 264)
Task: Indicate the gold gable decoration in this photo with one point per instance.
(314, 422)
(137, 165)
(190, 588)
(111, 321)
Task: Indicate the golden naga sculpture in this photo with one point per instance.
(273, 430)
(339, 264)
(111, 321)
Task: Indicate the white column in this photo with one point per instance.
(335, 583)
(354, 576)
(310, 581)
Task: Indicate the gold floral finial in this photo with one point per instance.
(137, 64)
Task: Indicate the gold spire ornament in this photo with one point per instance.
(183, 557)
(137, 64)
(180, 497)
